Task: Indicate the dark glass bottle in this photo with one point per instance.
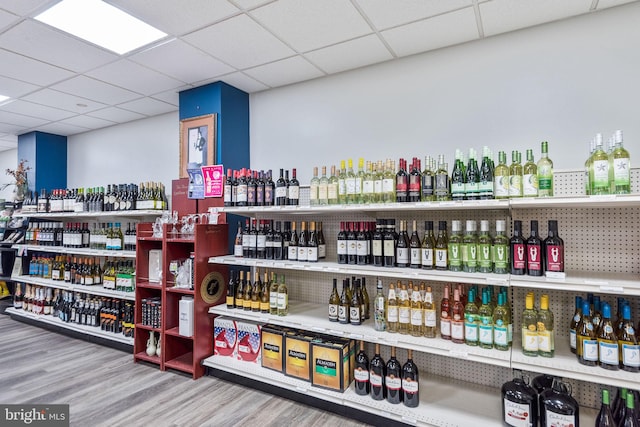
(341, 244)
(362, 245)
(355, 308)
(402, 182)
(231, 291)
(605, 416)
(410, 383)
(352, 244)
(393, 379)
(294, 189)
(540, 384)
(377, 376)
(535, 254)
(345, 304)
(389, 244)
(554, 249)
(269, 190)
(261, 241)
(260, 189)
(415, 181)
(402, 246)
(361, 372)
(559, 407)
(415, 247)
(281, 190)
(269, 240)
(620, 405)
(517, 250)
(378, 242)
(303, 241)
(252, 184)
(519, 403)
(242, 191)
(293, 243)
(629, 419)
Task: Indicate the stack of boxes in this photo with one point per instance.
(324, 361)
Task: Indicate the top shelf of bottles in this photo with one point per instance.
(140, 213)
(618, 201)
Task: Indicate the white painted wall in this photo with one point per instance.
(560, 82)
(143, 150)
(8, 160)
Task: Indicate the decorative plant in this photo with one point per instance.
(19, 174)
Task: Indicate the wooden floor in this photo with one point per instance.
(105, 388)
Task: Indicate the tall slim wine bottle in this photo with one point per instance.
(457, 319)
(608, 342)
(332, 187)
(545, 172)
(392, 309)
(485, 262)
(501, 177)
(605, 416)
(573, 326)
(546, 332)
(554, 249)
(529, 328)
(415, 247)
(379, 308)
(621, 182)
(334, 302)
(534, 252)
(377, 375)
(445, 315)
(404, 310)
(410, 383)
(393, 380)
(629, 350)
(427, 256)
(429, 309)
(599, 169)
(517, 249)
(530, 177)
(500, 249)
(454, 246)
(361, 372)
(586, 344)
(515, 175)
(471, 320)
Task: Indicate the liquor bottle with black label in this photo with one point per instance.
(402, 247)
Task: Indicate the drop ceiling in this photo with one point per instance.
(64, 85)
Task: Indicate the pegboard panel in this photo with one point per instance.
(573, 183)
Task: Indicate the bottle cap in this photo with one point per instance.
(456, 225)
(500, 225)
(484, 225)
(471, 225)
(586, 310)
(606, 311)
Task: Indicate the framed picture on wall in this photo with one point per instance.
(197, 143)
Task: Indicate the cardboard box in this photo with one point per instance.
(331, 368)
(155, 265)
(249, 341)
(185, 312)
(225, 336)
(298, 355)
(272, 347)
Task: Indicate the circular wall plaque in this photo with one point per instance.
(212, 287)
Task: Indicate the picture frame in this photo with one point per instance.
(197, 143)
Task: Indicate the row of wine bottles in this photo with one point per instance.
(252, 188)
(267, 296)
(469, 252)
(107, 236)
(115, 274)
(279, 240)
(389, 380)
(118, 197)
(608, 172)
(109, 314)
(597, 339)
(623, 411)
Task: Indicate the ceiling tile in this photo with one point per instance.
(385, 14)
(290, 70)
(29, 70)
(433, 33)
(23, 7)
(63, 129)
(11, 128)
(97, 90)
(352, 54)
(41, 42)
(187, 63)
(177, 17)
(15, 88)
(87, 122)
(238, 80)
(115, 114)
(171, 96)
(36, 110)
(603, 4)
(148, 106)
(250, 4)
(20, 119)
(240, 42)
(7, 19)
(310, 25)
(500, 16)
(135, 77)
(54, 98)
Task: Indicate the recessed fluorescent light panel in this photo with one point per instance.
(101, 24)
(3, 98)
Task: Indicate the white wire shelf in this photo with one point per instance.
(115, 214)
(76, 251)
(86, 289)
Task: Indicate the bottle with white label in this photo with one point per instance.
(501, 322)
(402, 246)
(455, 246)
(471, 319)
(457, 319)
(445, 315)
(530, 176)
(429, 310)
(404, 309)
(546, 338)
(608, 342)
(417, 313)
(586, 342)
(628, 348)
(599, 169)
(283, 298)
(379, 309)
(392, 309)
(620, 167)
(519, 403)
(558, 407)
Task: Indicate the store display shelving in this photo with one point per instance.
(106, 214)
(91, 331)
(59, 284)
(75, 251)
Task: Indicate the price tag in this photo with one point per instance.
(301, 389)
(370, 338)
(356, 336)
(497, 282)
(612, 289)
(385, 414)
(318, 329)
(334, 332)
(558, 275)
(263, 320)
(411, 421)
(459, 354)
(392, 342)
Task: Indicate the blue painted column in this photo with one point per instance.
(46, 155)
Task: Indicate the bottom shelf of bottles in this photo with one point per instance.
(87, 330)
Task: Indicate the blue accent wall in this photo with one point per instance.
(46, 155)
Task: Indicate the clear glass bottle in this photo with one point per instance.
(442, 182)
(599, 169)
(471, 320)
(573, 326)
(620, 163)
(457, 318)
(379, 308)
(333, 188)
(314, 185)
(389, 183)
(546, 333)
(608, 342)
(428, 181)
(515, 175)
(429, 310)
(368, 179)
(485, 263)
(392, 310)
(334, 302)
(501, 177)
(342, 183)
(455, 246)
(470, 248)
(417, 314)
(441, 247)
(530, 177)
(283, 297)
(545, 172)
(586, 343)
(501, 322)
(427, 257)
(529, 327)
(500, 249)
(404, 309)
(485, 321)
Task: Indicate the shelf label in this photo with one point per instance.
(459, 354)
(356, 336)
(318, 329)
(612, 289)
(370, 338)
(497, 282)
(411, 421)
(334, 332)
(301, 389)
(559, 275)
(385, 414)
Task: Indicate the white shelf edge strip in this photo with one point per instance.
(91, 289)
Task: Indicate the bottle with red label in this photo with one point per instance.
(393, 380)
(410, 383)
(554, 249)
(519, 403)
(361, 372)
(415, 181)
(535, 255)
(402, 182)
(517, 250)
(457, 319)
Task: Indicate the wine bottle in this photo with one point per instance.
(620, 406)
(442, 183)
(454, 246)
(378, 175)
(333, 188)
(428, 180)
(599, 171)
(368, 183)
(247, 288)
(389, 244)
(362, 245)
(415, 181)
(379, 308)
(500, 249)
(519, 403)
(485, 262)
(545, 172)
(365, 298)
(228, 185)
(239, 304)
(546, 337)
(415, 247)
(608, 342)
(377, 375)
(355, 307)
(293, 190)
(252, 184)
(342, 183)
(457, 318)
(445, 315)
(410, 382)
(313, 188)
(501, 177)
(281, 190)
(345, 305)
(558, 407)
(303, 242)
(472, 181)
(393, 379)
(334, 302)
(402, 182)
(404, 309)
(429, 314)
(629, 419)
(515, 175)
(293, 243)
(470, 248)
(312, 243)
(530, 177)
(529, 327)
(586, 343)
(362, 385)
(485, 186)
(352, 190)
(241, 196)
(264, 295)
(415, 327)
(392, 310)
(441, 247)
(517, 249)
(427, 256)
(485, 321)
(341, 244)
(402, 246)
(255, 292)
(377, 241)
(458, 178)
(573, 326)
(605, 416)
(554, 249)
(323, 188)
(534, 252)
(629, 350)
(389, 183)
(231, 291)
(283, 297)
(471, 320)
